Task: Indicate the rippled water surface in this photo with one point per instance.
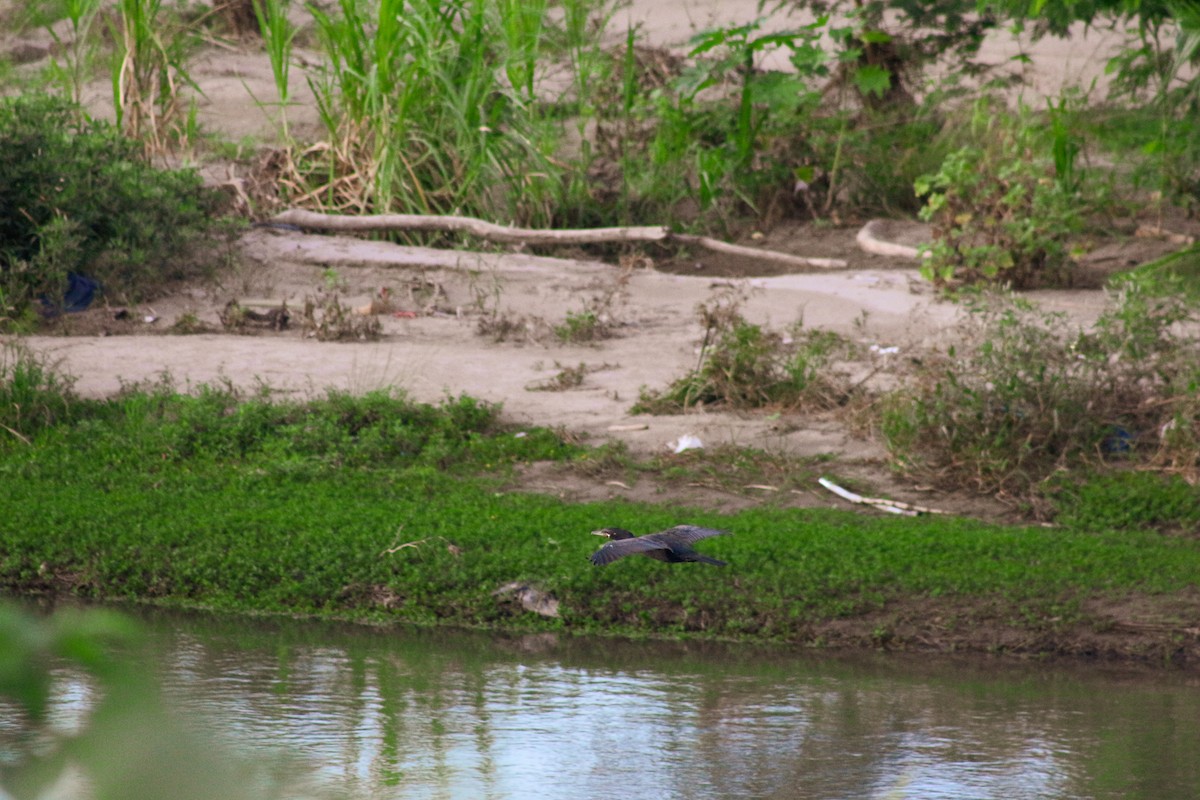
(437, 714)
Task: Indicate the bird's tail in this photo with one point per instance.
(708, 560)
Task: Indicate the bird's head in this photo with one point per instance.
(613, 533)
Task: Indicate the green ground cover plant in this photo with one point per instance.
(771, 477)
(1127, 500)
(377, 508)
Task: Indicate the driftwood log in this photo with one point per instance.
(312, 220)
(890, 506)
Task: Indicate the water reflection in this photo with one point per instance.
(437, 714)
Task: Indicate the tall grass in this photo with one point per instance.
(429, 108)
(278, 34)
(33, 395)
(78, 50)
(149, 74)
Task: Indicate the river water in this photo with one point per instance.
(400, 713)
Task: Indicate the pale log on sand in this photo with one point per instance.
(491, 232)
(890, 506)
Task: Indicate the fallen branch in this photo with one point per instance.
(773, 256)
(451, 548)
(476, 227)
(492, 232)
(890, 506)
(872, 238)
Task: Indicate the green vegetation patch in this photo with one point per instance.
(379, 508)
(744, 365)
(80, 198)
(1129, 500)
(1025, 396)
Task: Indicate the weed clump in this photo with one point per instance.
(1025, 396)
(597, 318)
(33, 395)
(327, 320)
(743, 365)
(81, 199)
(567, 378)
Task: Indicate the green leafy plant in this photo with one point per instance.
(83, 200)
(734, 119)
(906, 37)
(1001, 212)
(581, 326)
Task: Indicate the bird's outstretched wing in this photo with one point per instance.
(663, 540)
(685, 534)
(611, 551)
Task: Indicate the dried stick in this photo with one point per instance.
(773, 256)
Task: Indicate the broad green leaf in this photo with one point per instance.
(872, 79)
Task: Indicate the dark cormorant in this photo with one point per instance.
(673, 545)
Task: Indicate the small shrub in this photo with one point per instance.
(1024, 396)
(581, 326)
(1003, 207)
(79, 198)
(596, 320)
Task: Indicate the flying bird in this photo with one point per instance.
(673, 545)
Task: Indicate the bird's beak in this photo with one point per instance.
(599, 533)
